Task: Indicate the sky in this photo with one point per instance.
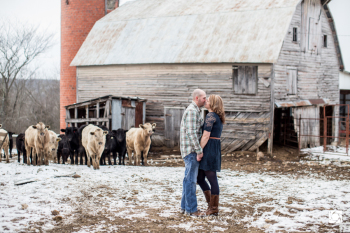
(47, 14)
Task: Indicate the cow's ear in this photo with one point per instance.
(58, 139)
(63, 130)
(0, 125)
(92, 133)
(154, 125)
(112, 137)
(125, 131)
(105, 132)
(141, 126)
(47, 127)
(34, 126)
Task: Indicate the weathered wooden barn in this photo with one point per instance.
(267, 59)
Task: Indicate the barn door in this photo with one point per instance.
(128, 118)
(172, 116)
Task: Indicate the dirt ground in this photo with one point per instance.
(284, 161)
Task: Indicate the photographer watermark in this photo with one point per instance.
(335, 216)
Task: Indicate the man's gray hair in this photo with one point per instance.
(197, 92)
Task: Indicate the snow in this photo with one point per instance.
(332, 153)
(161, 187)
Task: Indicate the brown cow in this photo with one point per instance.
(94, 140)
(37, 137)
(4, 144)
(138, 140)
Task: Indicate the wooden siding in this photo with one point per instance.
(171, 85)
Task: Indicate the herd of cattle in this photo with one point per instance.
(88, 142)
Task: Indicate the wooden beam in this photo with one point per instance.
(84, 120)
(272, 110)
(98, 110)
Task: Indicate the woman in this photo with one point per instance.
(210, 163)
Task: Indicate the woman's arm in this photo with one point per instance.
(205, 138)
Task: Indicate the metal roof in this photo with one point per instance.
(189, 31)
(106, 97)
(301, 103)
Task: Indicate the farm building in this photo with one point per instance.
(271, 61)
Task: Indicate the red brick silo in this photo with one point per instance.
(77, 19)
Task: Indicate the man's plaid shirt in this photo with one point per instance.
(191, 131)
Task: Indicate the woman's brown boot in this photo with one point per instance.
(207, 195)
(214, 206)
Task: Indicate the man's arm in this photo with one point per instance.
(191, 131)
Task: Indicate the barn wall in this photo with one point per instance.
(172, 85)
(317, 71)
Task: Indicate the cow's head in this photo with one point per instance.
(120, 134)
(99, 136)
(54, 142)
(148, 128)
(41, 128)
(71, 133)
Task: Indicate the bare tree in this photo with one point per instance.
(19, 45)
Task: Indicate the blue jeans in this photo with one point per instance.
(189, 198)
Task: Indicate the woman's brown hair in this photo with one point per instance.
(216, 104)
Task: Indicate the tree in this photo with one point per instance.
(19, 45)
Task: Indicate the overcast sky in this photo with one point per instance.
(47, 14)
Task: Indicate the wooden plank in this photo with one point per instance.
(85, 120)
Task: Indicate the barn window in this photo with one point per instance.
(292, 78)
(295, 34)
(245, 79)
(325, 41)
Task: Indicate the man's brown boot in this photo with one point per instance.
(196, 214)
(214, 205)
(207, 195)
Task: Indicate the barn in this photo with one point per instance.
(269, 60)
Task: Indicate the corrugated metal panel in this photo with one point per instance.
(189, 31)
(300, 103)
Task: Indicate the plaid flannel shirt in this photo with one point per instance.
(191, 131)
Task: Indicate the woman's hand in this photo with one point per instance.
(199, 157)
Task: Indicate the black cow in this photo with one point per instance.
(81, 150)
(73, 138)
(10, 142)
(121, 145)
(110, 146)
(21, 147)
(63, 149)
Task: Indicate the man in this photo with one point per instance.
(190, 133)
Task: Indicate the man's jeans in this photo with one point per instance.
(189, 198)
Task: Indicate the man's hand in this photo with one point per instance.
(199, 157)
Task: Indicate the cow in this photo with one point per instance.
(53, 145)
(21, 147)
(63, 149)
(81, 150)
(10, 143)
(73, 138)
(37, 137)
(138, 141)
(120, 135)
(4, 144)
(94, 140)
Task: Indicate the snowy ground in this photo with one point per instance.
(121, 197)
(333, 153)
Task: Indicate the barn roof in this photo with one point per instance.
(189, 31)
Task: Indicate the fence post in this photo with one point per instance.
(324, 129)
(347, 135)
(299, 145)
